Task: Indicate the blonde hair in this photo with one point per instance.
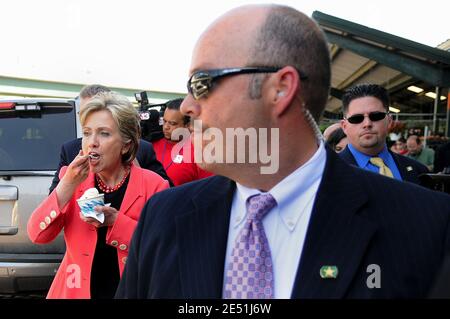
(125, 116)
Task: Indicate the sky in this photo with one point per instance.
(147, 44)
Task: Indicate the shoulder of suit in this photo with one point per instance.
(379, 185)
(72, 143)
(444, 147)
(145, 143)
(367, 179)
(191, 189)
(165, 206)
(407, 161)
(347, 156)
(391, 189)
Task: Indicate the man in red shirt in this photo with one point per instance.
(180, 167)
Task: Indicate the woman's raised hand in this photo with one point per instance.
(78, 170)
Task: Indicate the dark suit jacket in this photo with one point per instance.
(359, 218)
(441, 286)
(145, 156)
(442, 157)
(410, 169)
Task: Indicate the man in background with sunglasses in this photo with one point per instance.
(315, 228)
(366, 123)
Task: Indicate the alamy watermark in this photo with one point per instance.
(249, 146)
(73, 278)
(374, 279)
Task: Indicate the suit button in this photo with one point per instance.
(42, 225)
(53, 214)
(124, 260)
(123, 247)
(115, 243)
(48, 220)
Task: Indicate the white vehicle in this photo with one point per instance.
(31, 134)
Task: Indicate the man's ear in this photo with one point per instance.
(283, 87)
(344, 126)
(390, 120)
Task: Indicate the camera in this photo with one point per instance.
(151, 116)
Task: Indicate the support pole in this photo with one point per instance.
(436, 105)
(447, 123)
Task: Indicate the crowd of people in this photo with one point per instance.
(312, 229)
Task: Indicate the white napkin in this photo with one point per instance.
(96, 215)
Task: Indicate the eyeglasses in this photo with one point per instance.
(201, 82)
(373, 116)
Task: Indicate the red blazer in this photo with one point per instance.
(74, 274)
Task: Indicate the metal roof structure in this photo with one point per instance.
(364, 55)
(20, 87)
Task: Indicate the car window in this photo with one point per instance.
(33, 141)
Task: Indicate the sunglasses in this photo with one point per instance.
(373, 116)
(201, 82)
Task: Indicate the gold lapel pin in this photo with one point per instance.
(329, 272)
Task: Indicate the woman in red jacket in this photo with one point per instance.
(96, 252)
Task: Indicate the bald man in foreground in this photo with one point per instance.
(315, 227)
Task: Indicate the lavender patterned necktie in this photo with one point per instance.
(250, 273)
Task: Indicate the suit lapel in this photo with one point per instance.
(347, 156)
(406, 171)
(336, 236)
(201, 237)
(134, 189)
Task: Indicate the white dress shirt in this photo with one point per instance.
(286, 224)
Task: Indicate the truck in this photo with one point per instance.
(32, 131)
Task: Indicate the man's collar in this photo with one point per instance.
(362, 159)
(289, 188)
